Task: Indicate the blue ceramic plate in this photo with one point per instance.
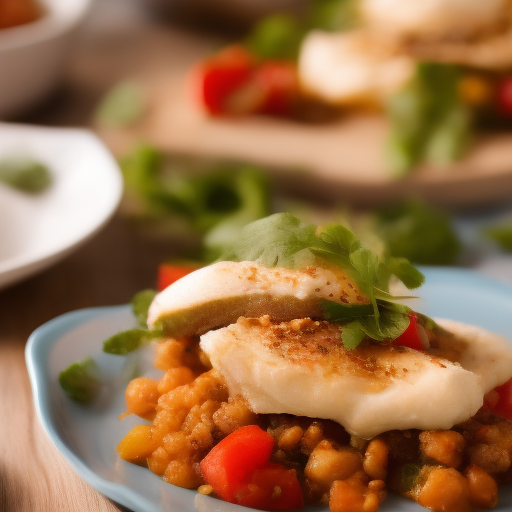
(87, 435)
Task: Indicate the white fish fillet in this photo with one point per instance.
(435, 18)
(301, 368)
(216, 295)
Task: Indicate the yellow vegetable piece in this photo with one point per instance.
(138, 444)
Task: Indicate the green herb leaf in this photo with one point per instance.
(276, 37)
(211, 199)
(352, 335)
(502, 235)
(418, 232)
(390, 323)
(273, 241)
(406, 272)
(345, 313)
(333, 15)
(122, 106)
(25, 174)
(283, 240)
(127, 341)
(140, 304)
(81, 380)
(429, 120)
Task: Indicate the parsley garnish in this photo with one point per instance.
(283, 240)
(81, 380)
(25, 174)
(128, 341)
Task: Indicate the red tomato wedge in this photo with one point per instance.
(239, 471)
(410, 337)
(168, 274)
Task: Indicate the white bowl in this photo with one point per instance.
(38, 230)
(32, 56)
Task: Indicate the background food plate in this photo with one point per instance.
(338, 161)
(36, 230)
(87, 435)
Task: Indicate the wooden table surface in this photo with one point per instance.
(108, 270)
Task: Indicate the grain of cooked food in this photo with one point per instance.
(362, 397)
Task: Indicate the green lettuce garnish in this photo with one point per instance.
(283, 240)
(81, 380)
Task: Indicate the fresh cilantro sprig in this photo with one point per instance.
(283, 240)
(127, 341)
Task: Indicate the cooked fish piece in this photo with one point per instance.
(301, 368)
(435, 18)
(352, 67)
(216, 295)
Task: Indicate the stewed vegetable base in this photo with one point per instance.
(191, 411)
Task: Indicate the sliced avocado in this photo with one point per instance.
(217, 295)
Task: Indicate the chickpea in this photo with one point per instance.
(290, 438)
(349, 495)
(175, 377)
(325, 464)
(483, 490)
(491, 458)
(169, 354)
(445, 489)
(311, 437)
(445, 446)
(182, 474)
(158, 461)
(232, 415)
(141, 396)
(376, 459)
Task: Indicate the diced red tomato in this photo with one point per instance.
(504, 96)
(272, 487)
(410, 337)
(279, 82)
(230, 462)
(220, 76)
(503, 406)
(234, 82)
(239, 471)
(168, 274)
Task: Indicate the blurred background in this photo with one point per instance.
(392, 117)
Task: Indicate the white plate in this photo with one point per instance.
(87, 435)
(38, 230)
